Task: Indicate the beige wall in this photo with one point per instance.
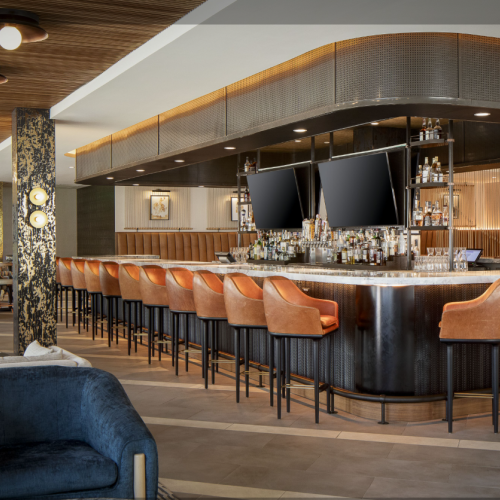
(66, 227)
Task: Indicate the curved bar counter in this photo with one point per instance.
(387, 347)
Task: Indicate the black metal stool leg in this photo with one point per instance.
(117, 319)
(279, 360)
(73, 304)
(216, 344)
(186, 342)
(153, 332)
(92, 313)
(494, 385)
(177, 345)
(129, 326)
(160, 333)
(449, 400)
(237, 362)
(205, 351)
(150, 332)
(247, 361)
(101, 317)
(316, 380)
(79, 302)
(174, 327)
(66, 307)
(271, 369)
(287, 373)
(136, 323)
(329, 378)
(109, 315)
(212, 349)
(86, 308)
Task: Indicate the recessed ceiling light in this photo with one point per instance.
(300, 130)
(482, 114)
(201, 186)
(229, 147)
(140, 170)
(327, 142)
(71, 166)
(298, 140)
(110, 178)
(135, 184)
(179, 161)
(374, 123)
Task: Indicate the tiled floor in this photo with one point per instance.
(211, 447)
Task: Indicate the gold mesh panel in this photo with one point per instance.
(302, 84)
(400, 65)
(135, 143)
(93, 158)
(193, 123)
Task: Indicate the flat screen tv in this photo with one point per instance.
(275, 200)
(358, 191)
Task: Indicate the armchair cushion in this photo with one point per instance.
(28, 470)
(327, 321)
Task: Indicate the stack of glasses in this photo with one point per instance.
(437, 260)
(240, 254)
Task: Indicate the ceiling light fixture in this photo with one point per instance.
(140, 170)
(71, 166)
(229, 147)
(327, 142)
(374, 123)
(179, 161)
(135, 184)
(482, 114)
(201, 186)
(298, 140)
(110, 178)
(300, 130)
(19, 26)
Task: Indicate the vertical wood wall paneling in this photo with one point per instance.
(33, 165)
(137, 209)
(219, 209)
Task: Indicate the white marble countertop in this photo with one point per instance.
(323, 275)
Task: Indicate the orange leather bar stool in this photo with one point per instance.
(59, 294)
(153, 288)
(67, 284)
(93, 283)
(79, 285)
(208, 292)
(128, 276)
(110, 288)
(180, 294)
(291, 314)
(245, 309)
(473, 322)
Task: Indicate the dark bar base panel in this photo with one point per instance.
(407, 359)
(385, 340)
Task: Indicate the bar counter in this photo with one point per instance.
(388, 339)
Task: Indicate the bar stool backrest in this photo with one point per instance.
(128, 277)
(77, 274)
(91, 272)
(208, 294)
(108, 276)
(244, 301)
(289, 310)
(65, 271)
(58, 277)
(477, 319)
(180, 289)
(153, 286)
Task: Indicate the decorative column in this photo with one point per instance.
(34, 252)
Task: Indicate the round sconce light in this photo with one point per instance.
(38, 196)
(38, 219)
(19, 26)
(3, 79)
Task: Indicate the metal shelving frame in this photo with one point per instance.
(431, 185)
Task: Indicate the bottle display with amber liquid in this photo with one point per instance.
(426, 171)
(423, 130)
(428, 214)
(437, 215)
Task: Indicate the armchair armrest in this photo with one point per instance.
(114, 428)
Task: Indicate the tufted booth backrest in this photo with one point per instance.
(179, 246)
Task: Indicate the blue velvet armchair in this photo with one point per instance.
(71, 433)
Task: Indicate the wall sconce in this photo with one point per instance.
(38, 196)
(38, 219)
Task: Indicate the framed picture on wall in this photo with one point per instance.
(456, 201)
(159, 207)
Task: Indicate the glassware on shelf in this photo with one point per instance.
(430, 251)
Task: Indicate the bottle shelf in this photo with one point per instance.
(428, 185)
(430, 143)
(428, 228)
(246, 232)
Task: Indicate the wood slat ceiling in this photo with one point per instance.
(85, 38)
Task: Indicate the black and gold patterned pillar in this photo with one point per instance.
(33, 165)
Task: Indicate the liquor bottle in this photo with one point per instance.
(439, 172)
(415, 250)
(344, 254)
(426, 171)
(401, 243)
(438, 131)
(446, 216)
(418, 178)
(434, 172)
(428, 214)
(429, 131)
(247, 165)
(422, 131)
(365, 254)
(253, 166)
(437, 216)
(417, 214)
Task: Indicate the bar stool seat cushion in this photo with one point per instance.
(328, 321)
(477, 319)
(50, 467)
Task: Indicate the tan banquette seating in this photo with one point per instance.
(179, 246)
